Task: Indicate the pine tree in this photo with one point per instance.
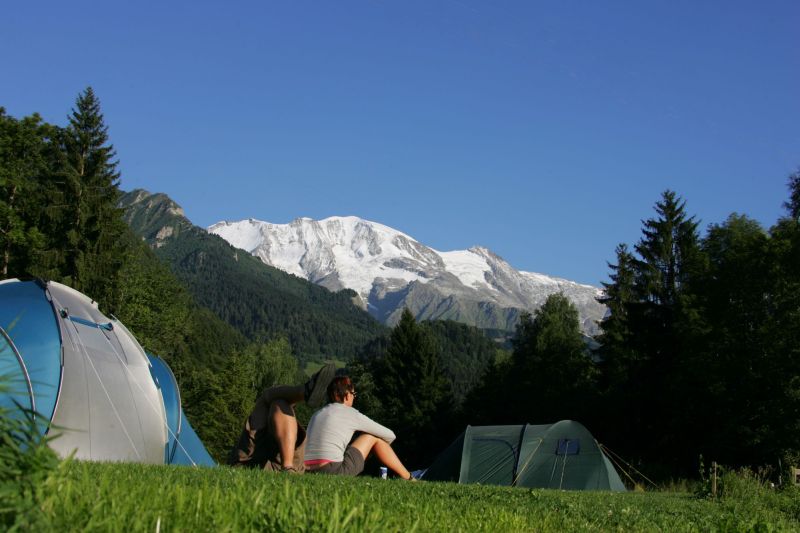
(653, 347)
(91, 221)
(414, 392)
(621, 364)
(616, 355)
(668, 250)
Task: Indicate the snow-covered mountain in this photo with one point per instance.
(390, 270)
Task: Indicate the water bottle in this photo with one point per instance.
(384, 472)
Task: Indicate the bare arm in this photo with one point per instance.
(366, 425)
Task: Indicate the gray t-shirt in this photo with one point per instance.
(332, 427)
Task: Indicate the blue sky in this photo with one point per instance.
(544, 131)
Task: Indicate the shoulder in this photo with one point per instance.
(324, 410)
(334, 408)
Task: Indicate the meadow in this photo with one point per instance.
(80, 496)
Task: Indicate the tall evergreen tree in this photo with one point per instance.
(91, 222)
(414, 392)
(668, 252)
(616, 355)
(620, 364)
(655, 343)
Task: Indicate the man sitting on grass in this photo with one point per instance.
(272, 438)
(329, 449)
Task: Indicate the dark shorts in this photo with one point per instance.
(352, 465)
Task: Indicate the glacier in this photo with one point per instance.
(391, 270)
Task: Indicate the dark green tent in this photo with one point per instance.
(563, 455)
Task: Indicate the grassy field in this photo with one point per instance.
(115, 497)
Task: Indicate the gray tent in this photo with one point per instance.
(563, 455)
(88, 380)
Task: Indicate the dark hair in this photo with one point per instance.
(338, 388)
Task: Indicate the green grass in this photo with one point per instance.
(129, 498)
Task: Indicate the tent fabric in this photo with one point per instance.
(184, 447)
(88, 378)
(30, 325)
(563, 456)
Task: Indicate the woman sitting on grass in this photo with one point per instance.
(332, 428)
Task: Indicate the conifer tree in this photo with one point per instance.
(615, 353)
(413, 389)
(654, 345)
(91, 221)
(668, 250)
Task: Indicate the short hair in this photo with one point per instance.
(338, 388)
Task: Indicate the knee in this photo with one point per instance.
(281, 406)
(364, 437)
(366, 441)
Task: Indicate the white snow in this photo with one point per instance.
(244, 234)
(359, 252)
(345, 245)
(469, 267)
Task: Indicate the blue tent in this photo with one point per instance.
(88, 381)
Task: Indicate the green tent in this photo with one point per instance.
(563, 455)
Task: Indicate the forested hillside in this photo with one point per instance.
(260, 301)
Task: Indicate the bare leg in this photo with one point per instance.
(261, 415)
(366, 443)
(284, 427)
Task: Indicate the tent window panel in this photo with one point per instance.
(568, 447)
(30, 323)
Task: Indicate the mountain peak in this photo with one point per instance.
(155, 215)
(391, 270)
